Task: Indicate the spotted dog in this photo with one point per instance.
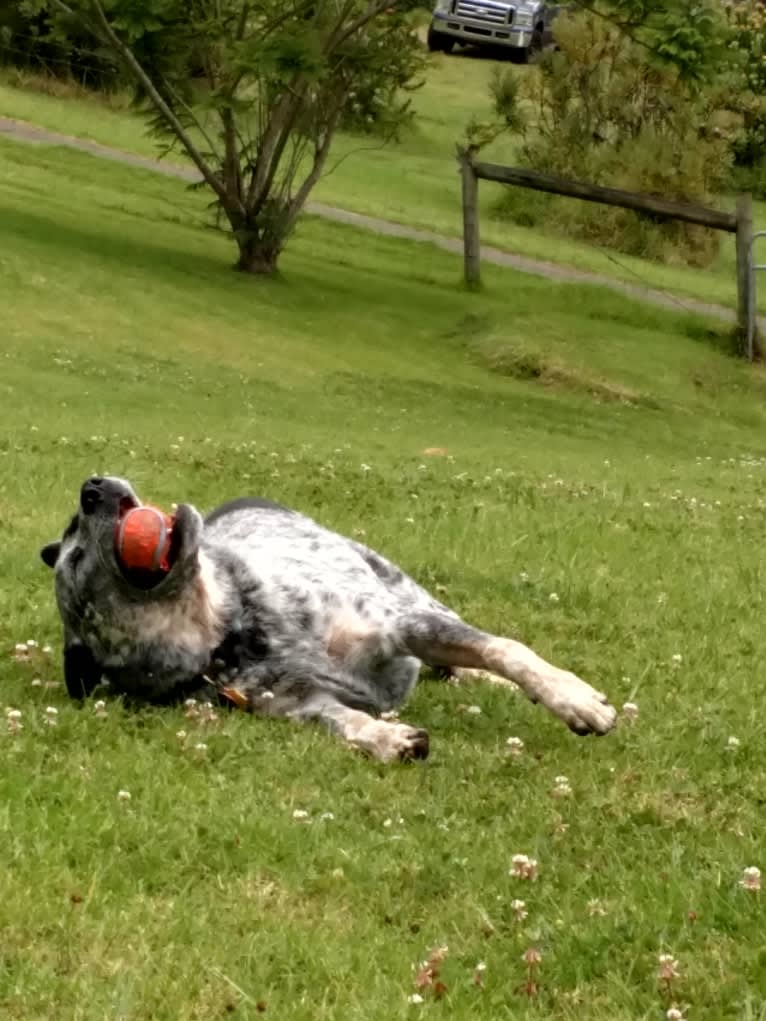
(272, 611)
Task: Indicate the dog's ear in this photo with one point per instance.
(50, 553)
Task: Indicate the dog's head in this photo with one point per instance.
(146, 631)
(85, 560)
(141, 627)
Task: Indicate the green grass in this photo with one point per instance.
(413, 182)
(627, 477)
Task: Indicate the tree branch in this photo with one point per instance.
(110, 37)
(341, 34)
(197, 123)
(320, 158)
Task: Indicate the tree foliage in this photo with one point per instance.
(254, 90)
(689, 35)
(603, 110)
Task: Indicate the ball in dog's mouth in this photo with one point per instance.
(144, 543)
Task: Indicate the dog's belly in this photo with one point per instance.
(311, 590)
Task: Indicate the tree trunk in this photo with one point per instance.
(256, 256)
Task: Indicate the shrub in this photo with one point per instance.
(603, 111)
(748, 66)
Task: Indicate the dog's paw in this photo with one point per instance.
(581, 707)
(391, 742)
(410, 743)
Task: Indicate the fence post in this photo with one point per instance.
(745, 295)
(471, 241)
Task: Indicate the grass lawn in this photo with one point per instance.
(601, 452)
(413, 182)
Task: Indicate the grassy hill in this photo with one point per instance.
(602, 498)
(414, 181)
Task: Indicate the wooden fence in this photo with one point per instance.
(739, 224)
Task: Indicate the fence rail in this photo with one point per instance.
(740, 223)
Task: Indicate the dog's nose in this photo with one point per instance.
(91, 494)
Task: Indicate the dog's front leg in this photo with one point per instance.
(81, 672)
(385, 740)
(340, 702)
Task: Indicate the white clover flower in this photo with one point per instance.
(519, 908)
(200, 750)
(51, 716)
(630, 711)
(36, 682)
(326, 817)
(13, 717)
(99, 709)
(553, 597)
(733, 743)
(677, 658)
(474, 710)
(668, 968)
(300, 814)
(674, 1014)
(123, 795)
(414, 998)
(523, 867)
(596, 907)
(751, 879)
(515, 746)
(561, 788)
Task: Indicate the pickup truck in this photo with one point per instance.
(522, 28)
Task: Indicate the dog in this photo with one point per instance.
(266, 609)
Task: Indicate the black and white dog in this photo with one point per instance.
(263, 606)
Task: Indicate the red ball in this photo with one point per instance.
(142, 539)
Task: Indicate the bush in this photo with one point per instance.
(602, 111)
(748, 65)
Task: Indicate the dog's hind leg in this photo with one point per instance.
(469, 675)
(442, 640)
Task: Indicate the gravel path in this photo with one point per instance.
(22, 131)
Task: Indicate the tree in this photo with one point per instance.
(255, 90)
(687, 34)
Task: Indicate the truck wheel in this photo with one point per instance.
(438, 42)
(536, 45)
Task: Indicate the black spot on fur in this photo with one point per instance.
(81, 672)
(242, 647)
(385, 571)
(245, 503)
